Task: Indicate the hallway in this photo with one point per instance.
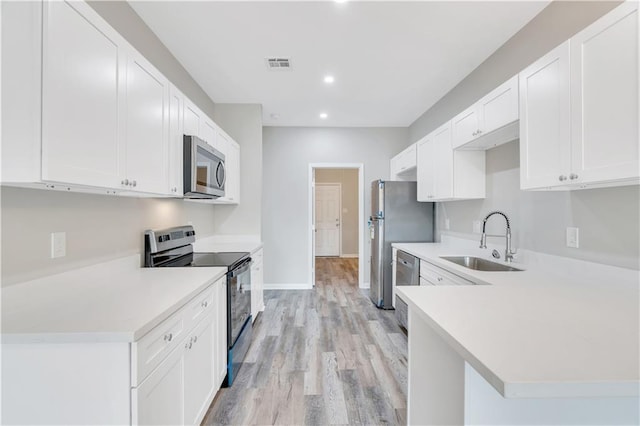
(321, 356)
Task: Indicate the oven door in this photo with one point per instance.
(204, 169)
(239, 299)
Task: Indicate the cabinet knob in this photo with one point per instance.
(125, 182)
(479, 131)
(168, 337)
(439, 278)
(562, 178)
(573, 176)
(474, 133)
(134, 183)
(195, 339)
(205, 304)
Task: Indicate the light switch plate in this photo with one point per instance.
(58, 244)
(573, 237)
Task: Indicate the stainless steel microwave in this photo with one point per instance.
(203, 169)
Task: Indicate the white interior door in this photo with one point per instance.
(327, 210)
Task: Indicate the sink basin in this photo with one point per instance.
(479, 264)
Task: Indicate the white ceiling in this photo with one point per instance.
(391, 60)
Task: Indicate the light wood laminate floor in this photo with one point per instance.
(321, 356)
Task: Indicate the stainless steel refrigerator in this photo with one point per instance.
(396, 217)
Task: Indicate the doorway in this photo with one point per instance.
(336, 220)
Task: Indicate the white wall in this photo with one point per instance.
(288, 151)
(348, 180)
(243, 122)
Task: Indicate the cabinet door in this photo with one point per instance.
(198, 371)
(176, 146)
(159, 399)
(256, 289)
(443, 162)
(209, 133)
(393, 167)
(83, 93)
(500, 107)
(147, 127)
(466, 126)
(604, 98)
(232, 165)
(544, 120)
(192, 119)
(426, 171)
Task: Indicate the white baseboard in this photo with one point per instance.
(287, 286)
(365, 285)
(350, 255)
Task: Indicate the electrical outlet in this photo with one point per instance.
(573, 237)
(477, 227)
(447, 224)
(58, 244)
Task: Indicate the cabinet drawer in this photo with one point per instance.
(148, 352)
(198, 308)
(439, 276)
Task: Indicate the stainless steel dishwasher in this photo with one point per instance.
(407, 273)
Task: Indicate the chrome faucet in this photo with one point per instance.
(508, 253)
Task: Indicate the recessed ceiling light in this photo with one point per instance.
(329, 79)
(324, 115)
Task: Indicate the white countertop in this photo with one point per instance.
(536, 333)
(116, 301)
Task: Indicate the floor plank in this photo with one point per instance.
(321, 356)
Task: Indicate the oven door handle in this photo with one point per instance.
(243, 267)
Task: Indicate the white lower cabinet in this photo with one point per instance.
(159, 399)
(257, 284)
(180, 389)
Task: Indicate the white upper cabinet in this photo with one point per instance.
(209, 133)
(403, 165)
(579, 108)
(445, 174)
(231, 151)
(147, 128)
(544, 120)
(176, 138)
(83, 98)
(489, 122)
(604, 98)
(193, 119)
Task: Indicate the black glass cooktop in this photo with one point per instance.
(223, 259)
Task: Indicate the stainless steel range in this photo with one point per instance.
(173, 248)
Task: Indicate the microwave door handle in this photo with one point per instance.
(219, 169)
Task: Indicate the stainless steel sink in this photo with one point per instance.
(479, 264)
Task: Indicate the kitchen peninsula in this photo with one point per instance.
(524, 349)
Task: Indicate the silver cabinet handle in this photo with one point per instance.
(205, 304)
(439, 278)
(168, 337)
(479, 131)
(562, 178)
(188, 345)
(474, 133)
(195, 339)
(573, 176)
(125, 182)
(134, 183)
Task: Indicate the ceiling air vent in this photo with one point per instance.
(278, 63)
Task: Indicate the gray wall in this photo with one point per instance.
(608, 218)
(288, 151)
(127, 22)
(348, 178)
(98, 228)
(555, 24)
(243, 122)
